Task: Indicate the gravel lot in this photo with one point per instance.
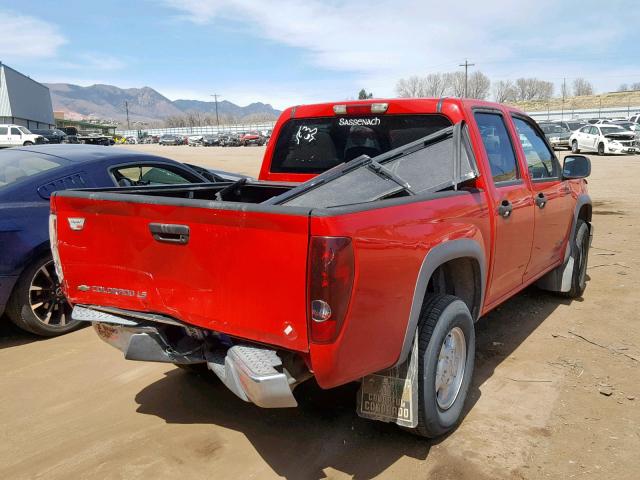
(556, 392)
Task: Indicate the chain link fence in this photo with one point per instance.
(201, 130)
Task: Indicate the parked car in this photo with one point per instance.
(169, 139)
(14, 135)
(29, 288)
(605, 139)
(557, 135)
(571, 125)
(252, 138)
(230, 140)
(373, 271)
(52, 136)
(194, 140)
(211, 140)
(627, 125)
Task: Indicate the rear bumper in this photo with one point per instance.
(253, 373)
(6, 287)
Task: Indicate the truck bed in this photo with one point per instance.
(234, 258)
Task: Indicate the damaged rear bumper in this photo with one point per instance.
(253, 373)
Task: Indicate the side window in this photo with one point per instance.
(149, 175)
(540, 159)
(594, 131)
(498, 146)
(15, 131)
(4, 131)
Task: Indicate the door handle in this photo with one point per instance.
(170, 233)
(505, 208)
(541, 200)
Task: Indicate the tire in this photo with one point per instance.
(574, 147)
(27, 144)
(443, 318)
(581, 259)
(37, 304)
(601, 149)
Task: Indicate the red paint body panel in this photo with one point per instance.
(390, 245)
(244, 273)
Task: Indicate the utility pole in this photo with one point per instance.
(126, 106)
(215, 96)
(564, 90)
(466, 66)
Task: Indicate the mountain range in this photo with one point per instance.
(145, 104)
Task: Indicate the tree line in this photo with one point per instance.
(200, 119)
(480, 86)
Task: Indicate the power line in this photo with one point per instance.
(466, 66)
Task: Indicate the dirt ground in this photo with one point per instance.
(556, 391)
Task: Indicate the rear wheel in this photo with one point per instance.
(446, 349)
(574, 147)
(37, 303)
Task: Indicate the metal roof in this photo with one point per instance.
(24, 98)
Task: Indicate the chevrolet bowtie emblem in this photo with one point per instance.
(84, 288)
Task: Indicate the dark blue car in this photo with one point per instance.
(30, 294)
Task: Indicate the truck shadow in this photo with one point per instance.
(12, 336)
(324, 431)
(504, 329)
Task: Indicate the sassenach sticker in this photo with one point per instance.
(366, 122)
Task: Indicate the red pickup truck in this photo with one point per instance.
(379, 232)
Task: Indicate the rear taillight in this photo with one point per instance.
(53, 239)
(331, 272)
(365, 109)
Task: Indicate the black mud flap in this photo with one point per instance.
(392, 395)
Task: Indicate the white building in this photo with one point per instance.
(24, 101)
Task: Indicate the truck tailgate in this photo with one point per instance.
(242, 271)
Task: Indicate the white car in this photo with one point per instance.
(194, 140)
(605, 139)
(16, 135)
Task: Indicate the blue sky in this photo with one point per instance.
(291, 52)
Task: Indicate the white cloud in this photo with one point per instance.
(25, 37)
(93, 62)
(382, 40)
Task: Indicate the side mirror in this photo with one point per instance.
(576, 166)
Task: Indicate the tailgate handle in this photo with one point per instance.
(170, 233)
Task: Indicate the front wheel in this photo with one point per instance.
(601, 149)
(446, 350)
(581, 243)
(27, 144)
(37, 303)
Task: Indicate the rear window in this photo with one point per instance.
(19, 165)
(314, 145)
